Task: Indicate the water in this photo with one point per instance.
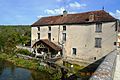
(10, 72)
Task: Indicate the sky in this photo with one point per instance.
(26, 12)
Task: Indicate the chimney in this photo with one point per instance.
(64, 13)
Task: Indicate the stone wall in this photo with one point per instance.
(106, 69)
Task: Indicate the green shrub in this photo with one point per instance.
(23, 51)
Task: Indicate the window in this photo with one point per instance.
(49, 36)
(64, 28)
(38, 35)
(117, 26)
(115, 43)
(64, 36)
(91, 17)
(38, 28)
(74, 51)
(98, 42)
(49, 28)
(94, 58)
(98, 27)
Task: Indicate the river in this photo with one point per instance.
(8, 71)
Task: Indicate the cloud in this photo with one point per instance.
(40, 16)
(69, 7)
(116, 14)
(76, 5)
(55, 11)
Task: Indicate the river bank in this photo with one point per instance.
(9, 71)
(29, 64)
(32, 65)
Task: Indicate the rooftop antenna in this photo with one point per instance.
(103, 8)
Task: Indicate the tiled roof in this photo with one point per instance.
(79, 18)
(48, 44)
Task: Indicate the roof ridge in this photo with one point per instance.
(77, 18)
(89, 11)
(74, 13)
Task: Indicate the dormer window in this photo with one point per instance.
(91, 17)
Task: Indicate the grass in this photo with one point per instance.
(31, 64)
(75, 68)
(34, 65)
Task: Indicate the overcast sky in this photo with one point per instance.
(28, 11)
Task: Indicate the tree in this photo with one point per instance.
(12, 36)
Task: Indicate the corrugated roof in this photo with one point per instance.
(49, 44)
(98, 16)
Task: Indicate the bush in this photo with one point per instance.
(23, 51)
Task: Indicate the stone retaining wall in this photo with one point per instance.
(106, 69)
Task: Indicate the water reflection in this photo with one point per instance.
(18, 74)
(11, 72)
(1, 67)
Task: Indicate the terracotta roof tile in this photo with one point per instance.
(49, 44)
(98, 16)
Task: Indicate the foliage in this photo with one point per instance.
(3, 56)
(57, 75)
(32, 64)
(12, 36)
(23, 51)
(75, 68)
